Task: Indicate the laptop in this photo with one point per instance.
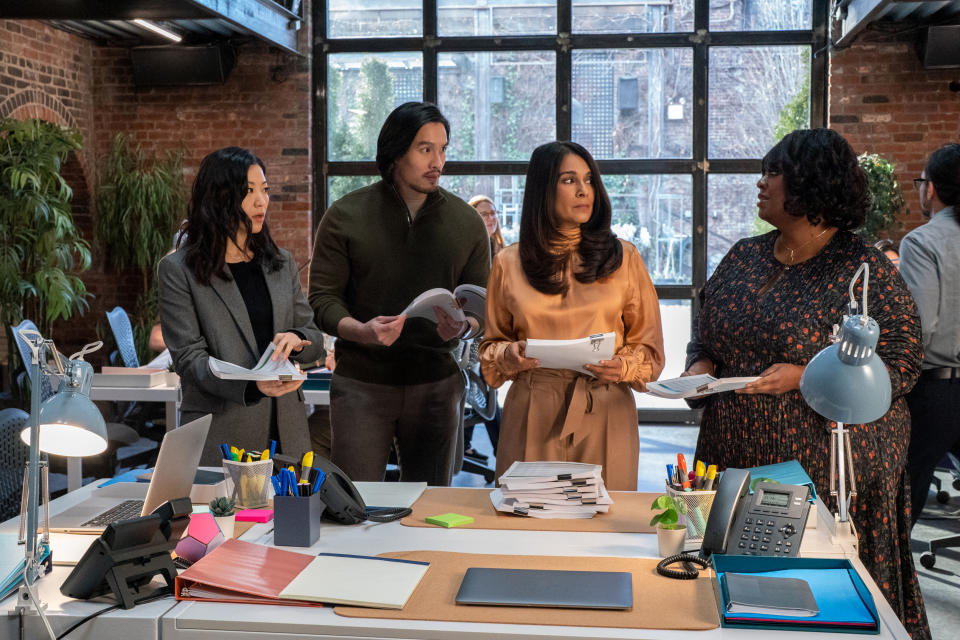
(172, 478)
(547, 588)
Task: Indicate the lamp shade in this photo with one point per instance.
(70, 424)
(847, 382)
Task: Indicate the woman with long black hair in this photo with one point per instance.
(229, 292)
(570, 277)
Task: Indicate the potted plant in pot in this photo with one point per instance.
(671, 534)
(222, 511)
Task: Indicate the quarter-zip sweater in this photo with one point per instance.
(371, 258)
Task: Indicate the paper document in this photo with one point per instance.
(362, 581)
(390, 494)
(265, 369)
(572, 354)
(701, 385)
(466, 299)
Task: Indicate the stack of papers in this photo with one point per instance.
(552, 490)
(572, 354)
(134, 377)
(694, 386)
(265, 369)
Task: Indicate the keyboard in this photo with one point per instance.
(123, 511)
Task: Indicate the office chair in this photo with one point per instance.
(480, 401)
(929, 558)
(13, 458)
(144, 418)
(123, 335)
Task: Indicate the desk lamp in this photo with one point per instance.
(66, 424)
(848, 383)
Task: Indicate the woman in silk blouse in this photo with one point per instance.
(569, 277)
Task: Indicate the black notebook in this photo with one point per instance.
(764, 595)
(547, 588)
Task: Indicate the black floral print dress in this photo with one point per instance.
(757, 312)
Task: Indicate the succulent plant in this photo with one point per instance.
(220, 507)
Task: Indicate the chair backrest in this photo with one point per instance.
(123, 334)
(13, 458)
(26, 354)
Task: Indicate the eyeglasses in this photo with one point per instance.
(919, 182)
(488, 214)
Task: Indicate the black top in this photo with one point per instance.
(256, 297)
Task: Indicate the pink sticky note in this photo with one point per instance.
(254, 515)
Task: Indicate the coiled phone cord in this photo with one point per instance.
(687, 572)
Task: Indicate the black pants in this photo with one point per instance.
(935, 430)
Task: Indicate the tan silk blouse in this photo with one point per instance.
(624, 302)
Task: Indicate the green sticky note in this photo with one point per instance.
(450, 520)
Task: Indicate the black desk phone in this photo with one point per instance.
(768, 523)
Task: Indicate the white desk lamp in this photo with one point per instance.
(848, 383)
(66, 424)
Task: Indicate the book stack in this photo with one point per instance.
(552, 490)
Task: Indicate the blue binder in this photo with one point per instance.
(844, 601)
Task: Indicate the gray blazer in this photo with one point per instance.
(200, 321)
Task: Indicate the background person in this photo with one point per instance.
(930, 264)
(228, 292)
(770, 307)
(567, 278)
(377, 249)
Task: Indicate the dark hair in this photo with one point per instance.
(399, 130)
(599, 249)
(215, 214)
(821, 176)
(943, 170)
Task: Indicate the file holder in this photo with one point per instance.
(248, 482)
(698, 505)
(296, 520)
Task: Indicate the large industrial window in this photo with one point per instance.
(677, 99)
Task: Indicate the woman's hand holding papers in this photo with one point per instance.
(701, 366)
(287, 343)
(607, 370)
(277, 388)
(515, 360)
(776, 379)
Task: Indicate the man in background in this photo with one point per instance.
(930, 265)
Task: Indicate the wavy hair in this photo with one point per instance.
(215, 214)
(600, 252)
(822, 179)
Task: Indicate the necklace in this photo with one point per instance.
(793, 251)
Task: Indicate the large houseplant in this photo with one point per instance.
(41, 251)
(139, 204)
(887, 198)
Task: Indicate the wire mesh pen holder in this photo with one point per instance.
(248, 483)
(697, 511)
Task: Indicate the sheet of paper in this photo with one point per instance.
(68, 548)
(692, 386)
(390, 494)
(265, 369)
(572, 354)
(383, 583)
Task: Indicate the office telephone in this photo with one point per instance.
(343, 502)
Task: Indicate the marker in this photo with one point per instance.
(711, 476)
(307, 460)
(682, 466)
(701, 470)
(670, 474)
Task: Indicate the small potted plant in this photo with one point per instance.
(222, 511)
(670, 533)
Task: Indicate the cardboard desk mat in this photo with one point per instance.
(658, 602)
(629, 513)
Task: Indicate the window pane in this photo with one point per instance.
(630, 103)
(757, 95)
(351, 19)
(501, 105)
(363, 89)
(618, 16)
(496, 17)
(749, 15)
(339, 186)
(653, 212)
(505, 191)
(675, 318)
(731, 214)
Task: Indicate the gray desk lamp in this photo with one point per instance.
(848, 383)
(66, 424)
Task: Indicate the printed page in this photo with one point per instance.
(265, 369)
(572, 354)
(422, 306)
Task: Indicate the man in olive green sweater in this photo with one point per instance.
(377, 249)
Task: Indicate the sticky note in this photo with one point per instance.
(254, 515)
(450, 520)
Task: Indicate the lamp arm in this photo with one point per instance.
(865, 270)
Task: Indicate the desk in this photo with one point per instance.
(169, 620)
(170, 396)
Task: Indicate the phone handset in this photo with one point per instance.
(733, 488)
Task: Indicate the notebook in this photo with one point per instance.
(361, 581)
(766, 595)
(172, 478)
(547, 588)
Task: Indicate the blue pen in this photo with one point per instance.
(225, 451)
(276, 486)
(318, 480)
(291, 482)
(670, 474)
(273, 448)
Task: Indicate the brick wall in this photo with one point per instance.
(264, 105)
(883, 101)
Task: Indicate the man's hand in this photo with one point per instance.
(380, 330)
(703, 365)
(515, 357)
(448, 327)
(776, 379)
(606, 370)
(277, 388)
(287, 343)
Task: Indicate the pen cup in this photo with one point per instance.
(248, 482)
(698, 505)
(296, 520)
